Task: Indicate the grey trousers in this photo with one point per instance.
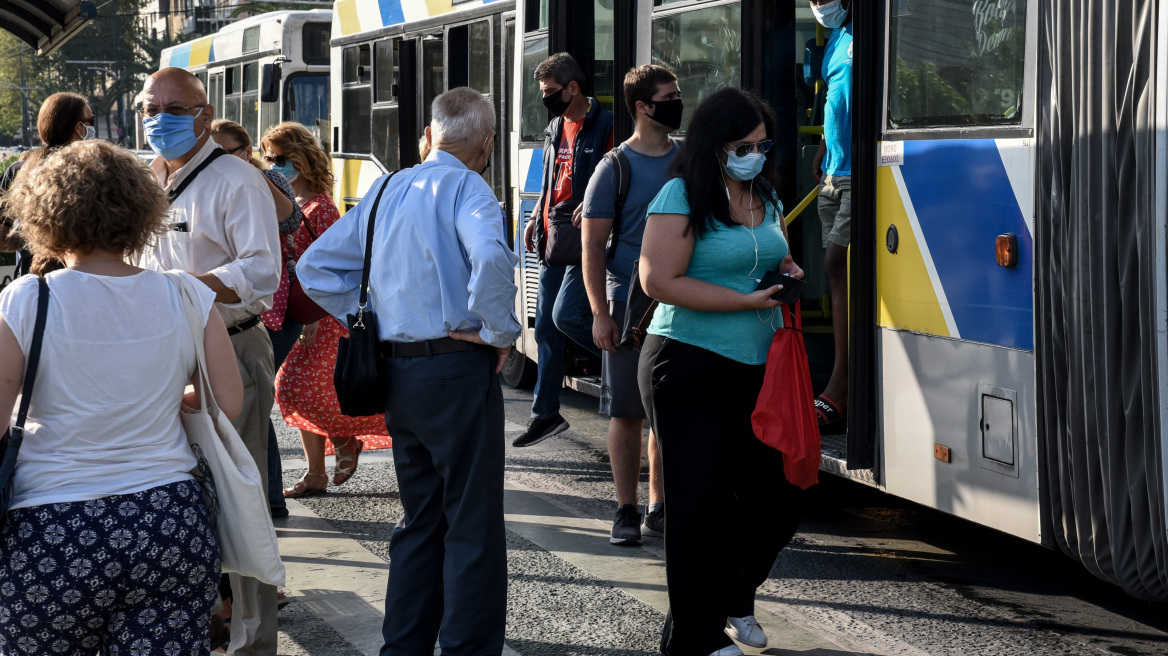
(253, 608)
(448, 555)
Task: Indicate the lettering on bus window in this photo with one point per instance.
(704, 49)
(957, 63)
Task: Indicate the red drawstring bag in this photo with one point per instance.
(784, 417)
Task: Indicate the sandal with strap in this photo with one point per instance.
(301, 488)
(827, 411)
(342, 474)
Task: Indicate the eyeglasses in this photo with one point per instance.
(232, 151)
(278, 160)
(150, 111)
(92, 120)
(761, 148)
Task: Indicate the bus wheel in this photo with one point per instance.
(519, 371)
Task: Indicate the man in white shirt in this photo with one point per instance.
(223, 231)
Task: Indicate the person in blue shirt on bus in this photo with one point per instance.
(832, 169)
(577, 139)
(442, 285)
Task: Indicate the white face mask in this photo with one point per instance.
(830, 15)
(90, 133)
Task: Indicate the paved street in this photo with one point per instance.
(867, 574)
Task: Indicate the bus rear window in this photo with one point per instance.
(316, 43)
(704, 48)
(957, 63)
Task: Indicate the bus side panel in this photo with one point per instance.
(354, 178)
(529, 181)
(976, 401)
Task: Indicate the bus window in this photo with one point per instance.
(316, 43)
(356, 99)
(269, 117)
(215, 91)
(704, 48)
(251, 39)
(603, 53)
(953, 65)
(202, 78)
(535, 115)
(306, 101)
(385, 137)
(480, 56)
(385, 53)
(357, 69)
(249, 103)
(433, 79)
(536, 15)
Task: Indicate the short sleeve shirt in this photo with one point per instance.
(726, 256)
(837, 120)
(648, 176)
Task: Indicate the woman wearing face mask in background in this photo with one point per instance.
(304, 384)
(63, 119)
(711, 234)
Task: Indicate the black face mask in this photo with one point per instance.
(556, 103)
(668, 113)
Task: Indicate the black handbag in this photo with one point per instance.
(359, 377)
(10, 443)
(564, 240)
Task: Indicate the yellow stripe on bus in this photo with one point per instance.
(200, 52)
(439, 7)
(347, 13)
(903, 286)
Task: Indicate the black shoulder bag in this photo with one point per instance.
(359, 377)
(10, 443)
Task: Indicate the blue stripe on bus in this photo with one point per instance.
(391, 12)
(534, 173)
(180, 57)
(963, 200)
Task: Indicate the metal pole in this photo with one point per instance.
(23, 104)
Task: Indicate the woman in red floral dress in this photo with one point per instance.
(304, 384)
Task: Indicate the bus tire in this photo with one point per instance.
(519, 371)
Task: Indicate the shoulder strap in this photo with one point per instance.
(624, 178)
(364, 299)
(34, 359)
(182, 186)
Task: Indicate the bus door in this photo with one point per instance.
(422, 79)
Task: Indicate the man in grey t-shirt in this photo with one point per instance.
(654, 100)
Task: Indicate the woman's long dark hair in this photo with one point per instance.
(57, 123)
(725, 116)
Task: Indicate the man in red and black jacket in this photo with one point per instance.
(577, 139)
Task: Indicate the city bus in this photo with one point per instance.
(265, 69)
(390, 60)
(1008, 297)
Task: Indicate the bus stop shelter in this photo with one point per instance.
(45, 24)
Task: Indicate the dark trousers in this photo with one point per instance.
(282, 342)
(448, 556)
(731, 510)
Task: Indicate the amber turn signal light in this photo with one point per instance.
(1006, 249)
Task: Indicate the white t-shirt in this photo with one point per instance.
(104, 416)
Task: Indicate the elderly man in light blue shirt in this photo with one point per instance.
(441, 283)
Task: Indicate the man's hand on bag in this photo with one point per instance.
(529, 235)
(605, 333)
(474, 337)
(578, 215)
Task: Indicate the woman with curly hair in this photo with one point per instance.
(107, 543)
(304, 384)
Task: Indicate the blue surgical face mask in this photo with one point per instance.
(171, 136)
(830, 15)
(90, 133)
(288, 170)
(744, 168)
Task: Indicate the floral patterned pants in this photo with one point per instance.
(129, 575)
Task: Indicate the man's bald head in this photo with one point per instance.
(174, 85)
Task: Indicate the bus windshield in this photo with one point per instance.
(307, 102)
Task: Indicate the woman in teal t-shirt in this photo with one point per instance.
(712, 233)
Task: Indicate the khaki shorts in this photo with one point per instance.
(835, 209)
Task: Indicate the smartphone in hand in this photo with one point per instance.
(792, 287)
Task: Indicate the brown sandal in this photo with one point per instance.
(343, 474)
(301, 488)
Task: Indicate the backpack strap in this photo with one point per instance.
(182, 186)
(624, 178)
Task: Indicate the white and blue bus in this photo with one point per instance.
(265, 69)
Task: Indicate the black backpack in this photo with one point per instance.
(639, 307)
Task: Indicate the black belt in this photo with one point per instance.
(240, 327)
(427, 348)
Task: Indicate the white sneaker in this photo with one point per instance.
(746, 630)
(732, 650)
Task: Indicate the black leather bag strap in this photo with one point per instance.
(182, 186)
(624, 179)
(34, 359)
(364, 299)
